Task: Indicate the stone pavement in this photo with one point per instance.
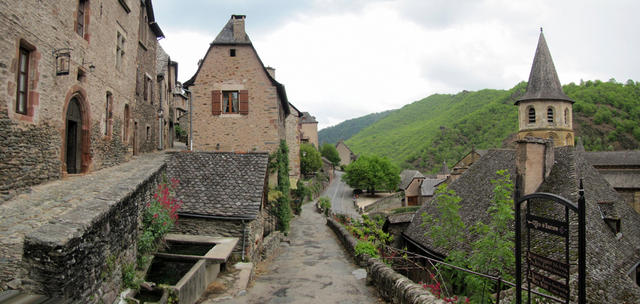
(51, 201)
(313, 269)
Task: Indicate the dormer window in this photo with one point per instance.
(532, 115)
(550, 115)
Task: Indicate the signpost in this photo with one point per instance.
(557, 282)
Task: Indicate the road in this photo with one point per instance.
(315, 268)
(341, 196)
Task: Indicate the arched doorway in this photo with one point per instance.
(73, 136)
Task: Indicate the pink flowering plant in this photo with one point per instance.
(159, 216)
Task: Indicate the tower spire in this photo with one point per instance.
(543, 79)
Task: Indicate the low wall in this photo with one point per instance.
(270, 244)
(79, 257)
(387, 203)
(391, 285)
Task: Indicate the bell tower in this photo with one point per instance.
(545, 111)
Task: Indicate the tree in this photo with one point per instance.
(371, 173)
(329, 152)
(310, 159)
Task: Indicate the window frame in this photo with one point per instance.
(233, 104)
(25, 53)
(550, 115)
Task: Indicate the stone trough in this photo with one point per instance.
(188, 265)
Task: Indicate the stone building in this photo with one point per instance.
(294, 135)
(309, 129)
(621, 169)
(237, 105)
(612, 228)
(67, 84)
(346, 155)
(223, 194)
(167, 97)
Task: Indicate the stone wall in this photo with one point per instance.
(293, 142)
(26, 155)
(391, 285)
(387, 203)
(258, 131)
(249, 233)
(79, 257)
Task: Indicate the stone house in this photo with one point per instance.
(466, 162)
(621, 169)
(612, 228)
(223, 194)
(346, 155)
(67, 83)
(293, 130)
(170, 97)
(309, 129)
(237, 105)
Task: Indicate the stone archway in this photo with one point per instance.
(76, 155)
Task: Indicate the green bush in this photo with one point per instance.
(367, 247)
(325, 204)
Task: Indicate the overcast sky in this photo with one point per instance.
(342, 59)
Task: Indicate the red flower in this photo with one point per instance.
(155, 215)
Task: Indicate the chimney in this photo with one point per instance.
(238, 27)
(271, 72)
(534, 160)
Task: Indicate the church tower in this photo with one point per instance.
(545, 111)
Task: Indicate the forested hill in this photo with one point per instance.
(444, 127)
(348, 128)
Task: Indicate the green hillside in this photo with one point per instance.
(348, 128)
(444, 127)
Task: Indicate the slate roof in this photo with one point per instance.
(220, 184)
(429, 186)
(307, 118)
(162, 60)
(609, 258)
(406, 176)
(629, 158)
(226, 34)
(543, 79)
(400, 218)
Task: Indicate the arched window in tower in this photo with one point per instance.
(550, 115)
(566, 117)
(532, 115)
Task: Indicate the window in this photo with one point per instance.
(230, 102)
(23, 81)
(532, 115)
(125, 135)
(108, 114)
(550, 115)
(119, 51)
(80, 22)
(232, 52)
(147, 88)
(148, 132)
(142, 31)
(566, 116)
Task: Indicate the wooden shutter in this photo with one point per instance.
(215, 102)
(244, 102)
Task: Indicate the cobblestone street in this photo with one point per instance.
(313, 269)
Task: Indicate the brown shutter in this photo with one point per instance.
(244, 102)
(215, 102)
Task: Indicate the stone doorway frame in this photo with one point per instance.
(80, 95)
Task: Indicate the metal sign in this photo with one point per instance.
(544, 272)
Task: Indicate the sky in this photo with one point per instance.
(341, 59)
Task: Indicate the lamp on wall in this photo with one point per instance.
(63, 60)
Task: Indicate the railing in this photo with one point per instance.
(396, 254)
(270, 221)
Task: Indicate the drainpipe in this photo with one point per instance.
(244, 232)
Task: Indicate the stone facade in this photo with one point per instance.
(346, 156)
(249, 232)
(253, 120)
(309, 129)
(76, 112)
(293, 142)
